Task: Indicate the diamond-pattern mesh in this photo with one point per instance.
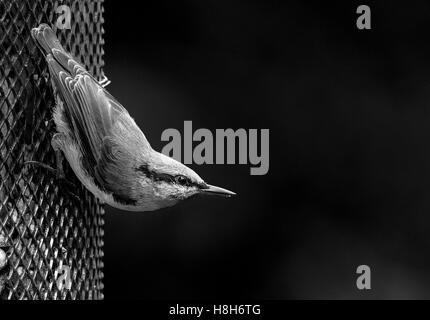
(49, 234)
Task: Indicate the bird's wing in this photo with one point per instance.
(108, 137)
(103, 129)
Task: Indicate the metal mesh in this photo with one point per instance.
(44, 230)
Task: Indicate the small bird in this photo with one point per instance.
(105, 148)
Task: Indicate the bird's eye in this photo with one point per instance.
(183, 181)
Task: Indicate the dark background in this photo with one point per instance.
(349, 178)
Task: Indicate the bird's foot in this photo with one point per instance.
(59, 175)
(104, 82)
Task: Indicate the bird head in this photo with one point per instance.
(170, 181)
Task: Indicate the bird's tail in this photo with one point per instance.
(46, 39)
(57, 57)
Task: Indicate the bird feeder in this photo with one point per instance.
(51, 240)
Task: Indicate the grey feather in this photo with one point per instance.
(97, 122)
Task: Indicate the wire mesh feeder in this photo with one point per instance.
(51, 245)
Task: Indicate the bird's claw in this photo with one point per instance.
(74, 196)
(104, 82)
(60, 176)
(40, 164)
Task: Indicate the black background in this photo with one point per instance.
(349, 177)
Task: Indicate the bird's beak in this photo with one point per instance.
(209, 189)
